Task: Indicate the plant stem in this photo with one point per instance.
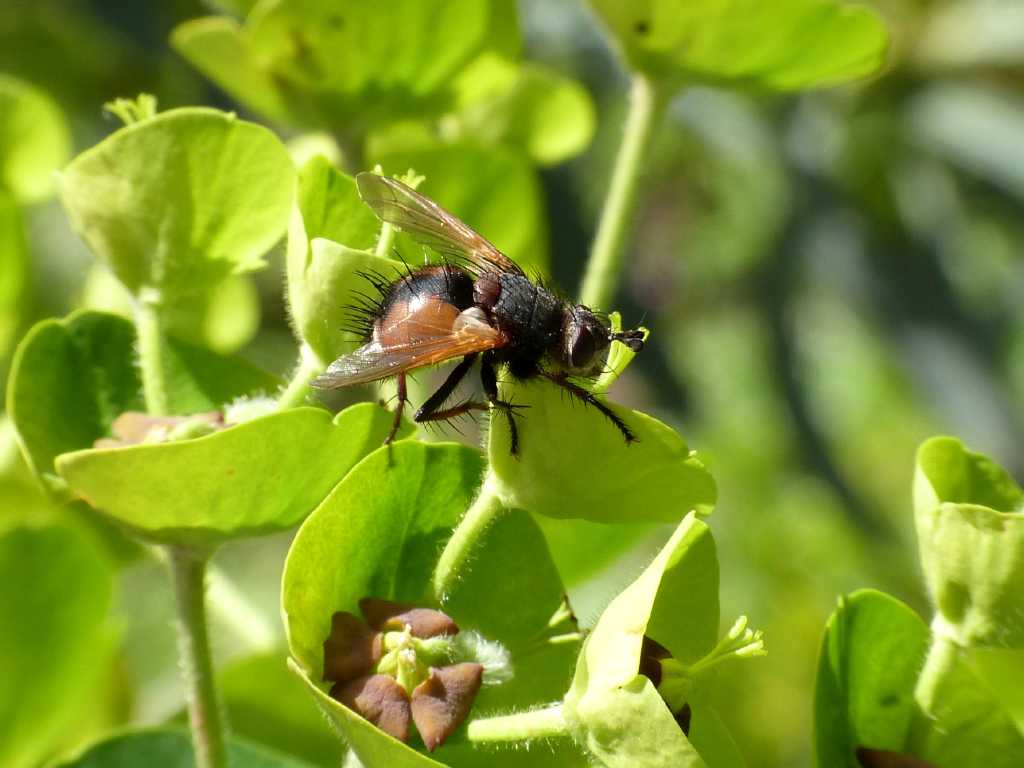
(928, 693)
(537, 724)
(456, 554)
(298, 388)
(188, 570)
(385, 241)
(151, 361)
(606, 256)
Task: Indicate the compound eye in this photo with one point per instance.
(584, 347)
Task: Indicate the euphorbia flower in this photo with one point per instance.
(399, 664)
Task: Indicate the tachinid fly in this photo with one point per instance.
(479, 304)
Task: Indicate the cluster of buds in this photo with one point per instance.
(398, 665)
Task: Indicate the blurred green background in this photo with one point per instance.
(829, 278)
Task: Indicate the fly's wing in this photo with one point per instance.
(430, 224)
(421, 343)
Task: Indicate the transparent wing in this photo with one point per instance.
(421, 344)
(430, 224)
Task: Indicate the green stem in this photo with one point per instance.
(928, 693)
(385, 241)
(457, 551)
(188, 569)
(298, 388)
(537, 724)
(606, 256)
(151, 361)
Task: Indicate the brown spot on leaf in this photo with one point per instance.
(351, 650)
(379, 699)
(441, 702)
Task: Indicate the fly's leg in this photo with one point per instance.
(589, 398)
(489, 380)
(443, 392)
(403, 398)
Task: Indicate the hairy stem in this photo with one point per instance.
(151, 361)
(606, 256)
(298, 388)
(537, 724)
(188, 570)
(457, 551)
(939, 664)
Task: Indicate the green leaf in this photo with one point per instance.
(629, 726)
(480, 185)
(55, 588)
(573, 463)
(13, 270)
(510, 561)
(616, 712)
(968, 719)
(71, 378)
(376, 535)
(871, 655)
(783, 45)
(326, 66)
(971, 543)
(34, 140)
(266, 704)
(171, 748)
(181, 200)
(218, 47)
(527, 106)
(949, 473)
(259, 476)
(328, 237)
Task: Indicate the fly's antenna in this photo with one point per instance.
(632, 339)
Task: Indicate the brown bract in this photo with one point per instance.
(386, 615)
(380, 700)
(351, 650)
(441, 702)
(355, 648)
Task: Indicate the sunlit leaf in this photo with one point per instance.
(320, 65)
(573, 462)
(970, 719)
(328, 237)
(34, 140)
(783, 45)
(527, 106)
(871, 655)
(613, 709)
(971, 540)
(55, 587)
(71, 378)
(259, 476)
(178, 201)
